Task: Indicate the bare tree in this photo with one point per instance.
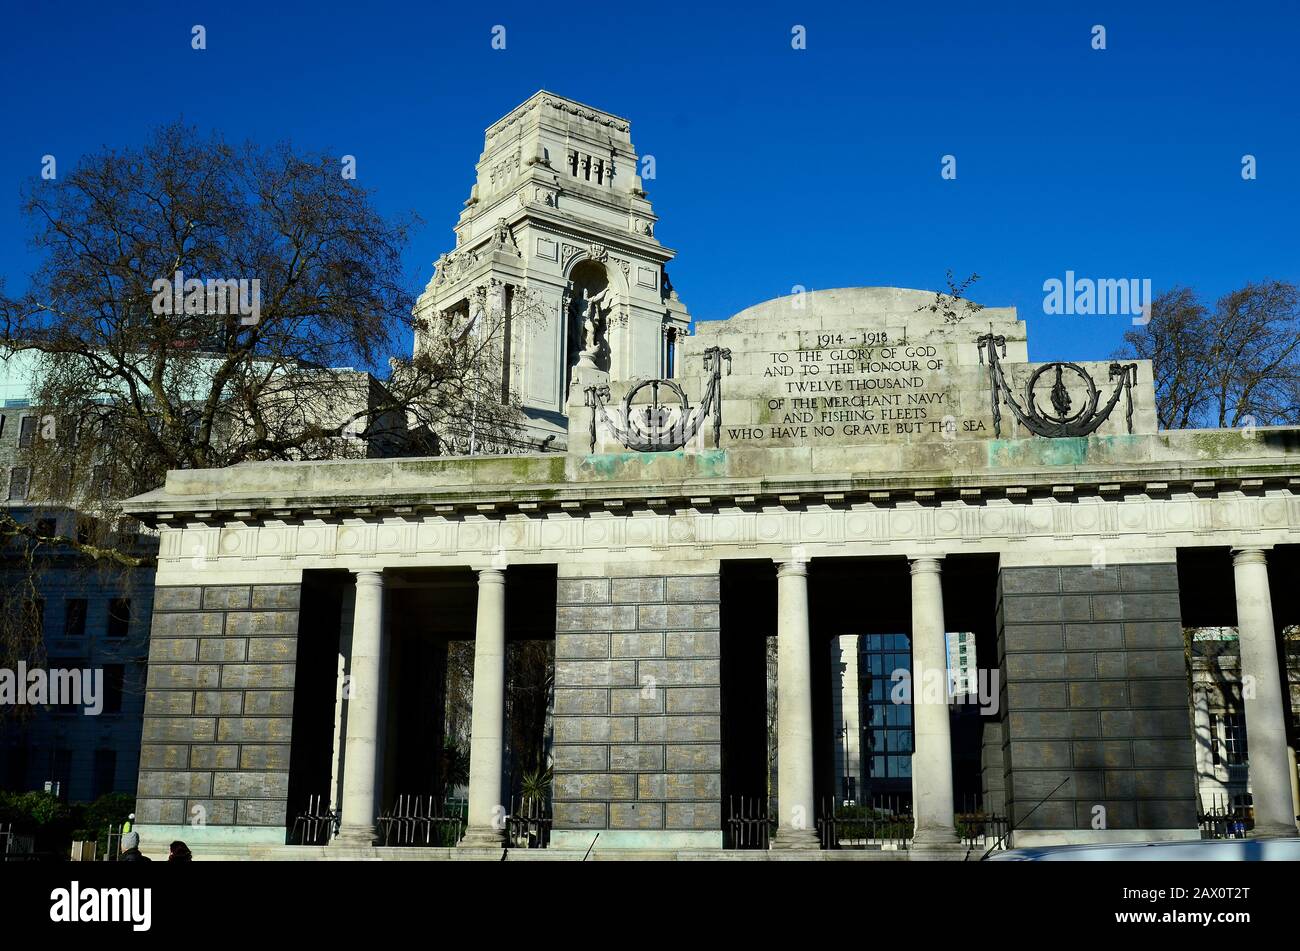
(121, 360)
(1226, 366)
(954, 306)
(193, 308)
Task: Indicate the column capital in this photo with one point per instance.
(792, 567)
(369, 576)
(1250, 556)
(491, 575)
(926, 564)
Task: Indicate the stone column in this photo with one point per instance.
(341, 691)
(797, 821)
(360, 804)
(1203, 727)
(1270, 784)
(932, 759)
(486, 826)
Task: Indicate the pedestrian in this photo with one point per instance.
(180, 852)
(131, 849)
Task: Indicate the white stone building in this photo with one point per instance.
(843, 462)
(558, 215)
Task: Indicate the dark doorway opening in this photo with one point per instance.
(860, 619)
(1208, 604)
(311, 750)
(431, 620)
(430, 616)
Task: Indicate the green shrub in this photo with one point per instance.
(54, 824)
(41, 815)
(108, 811)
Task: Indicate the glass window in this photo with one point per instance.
(887, 726)
(18, 478)
(1234, 739)
(27, 431)
(74, 618)
(114, 676)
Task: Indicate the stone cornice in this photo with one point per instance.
(793, 493)
(1117, 527)
(562, 103)
(626, 242)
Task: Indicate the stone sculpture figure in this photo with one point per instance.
(594, 321)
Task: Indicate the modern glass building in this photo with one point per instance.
(886, 726)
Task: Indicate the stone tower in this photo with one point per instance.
(558, 237)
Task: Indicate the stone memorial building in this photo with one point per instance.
(832, 463)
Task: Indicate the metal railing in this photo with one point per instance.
(529, 824)
(749, 825)
(884, 823)
(1223, 819)
(426, 821)
(881, 824)
(15, 847)
(983, 831)
(316, 824)
(113, 843)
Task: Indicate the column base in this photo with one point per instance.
(482, 838)
(803, 839)
(935, 841)
(354, 837)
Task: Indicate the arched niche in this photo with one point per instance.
(586, 276)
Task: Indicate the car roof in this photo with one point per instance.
(1226, 850)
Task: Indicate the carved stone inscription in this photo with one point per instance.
(857, 384)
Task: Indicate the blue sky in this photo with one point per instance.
(776, 167)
